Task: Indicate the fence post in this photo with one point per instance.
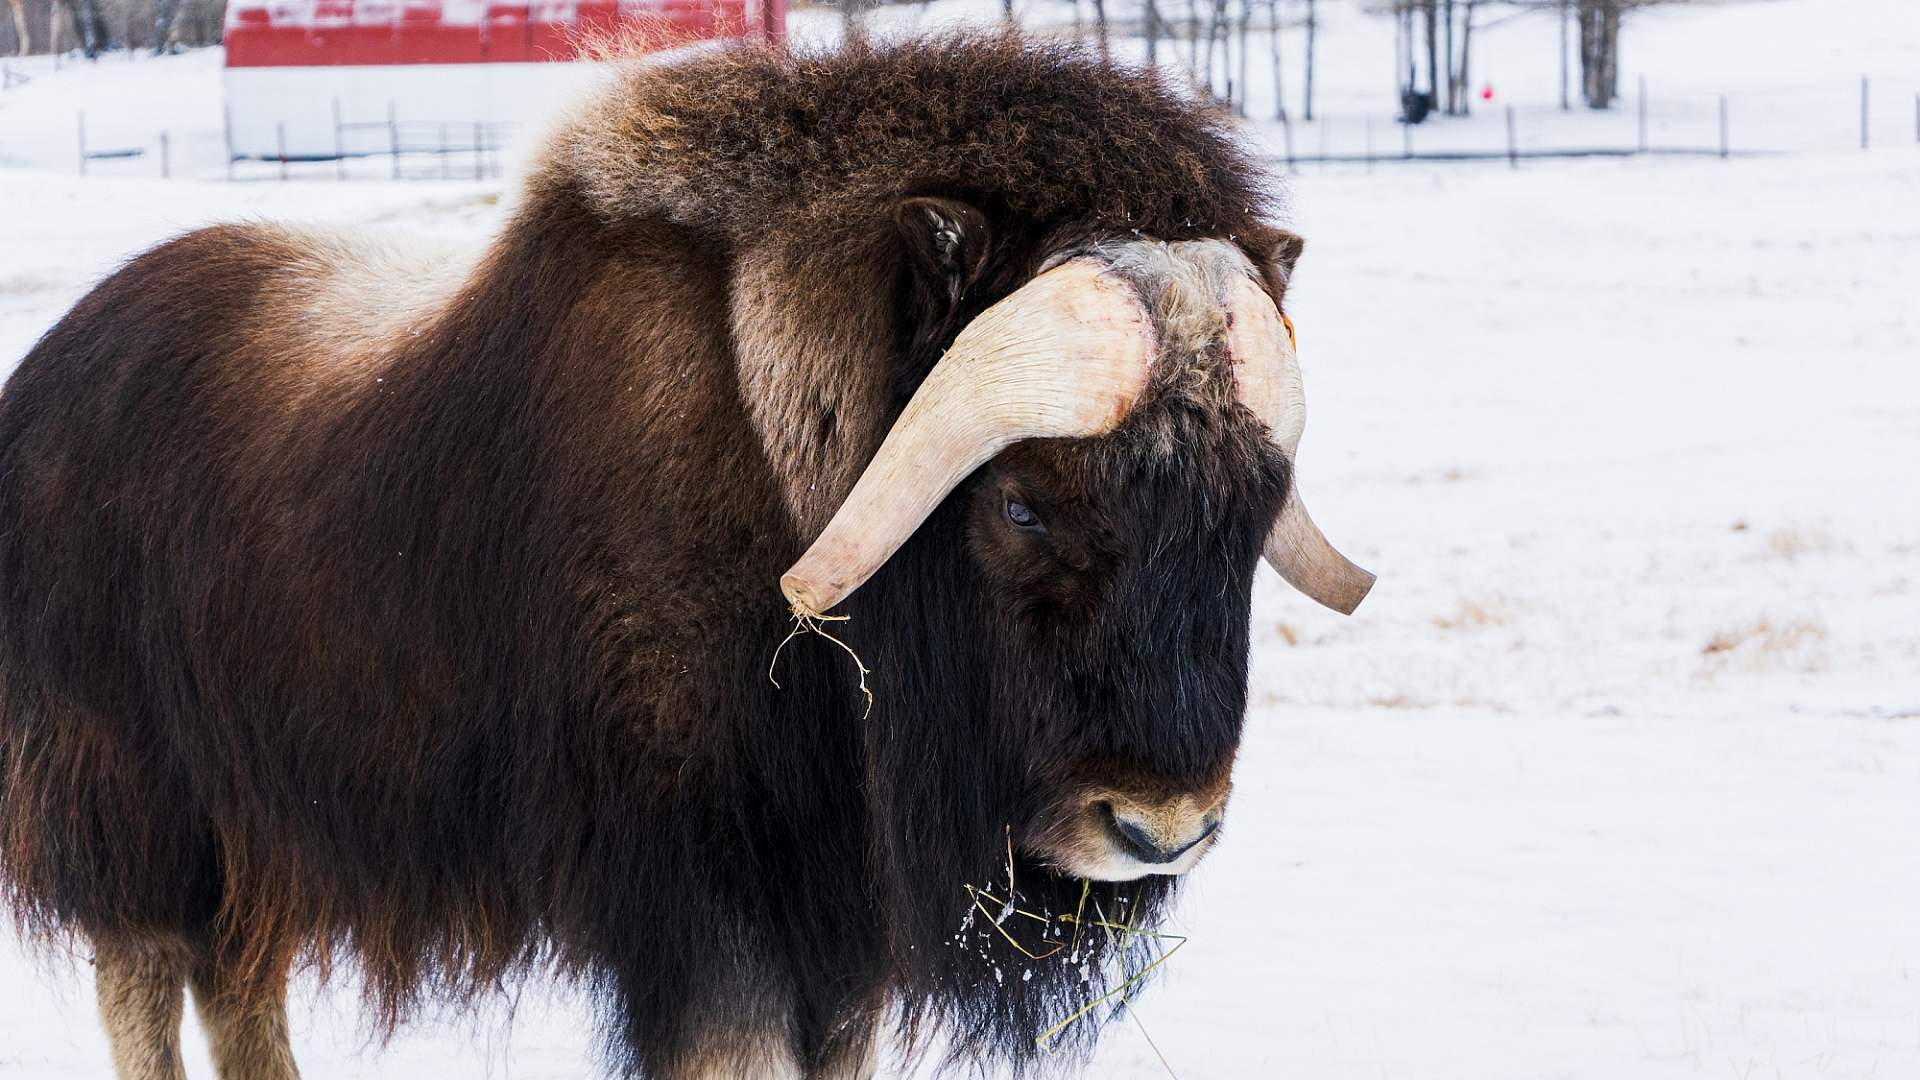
(280, 129)
(339, 143)
(83, 144)
(1863, 112)
(1513, 144)
(393, 137)
(166, 158)
(1643, 114)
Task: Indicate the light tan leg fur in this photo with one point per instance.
(142, 988)
(247, 1043)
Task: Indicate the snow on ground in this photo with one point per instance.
(1617, 775)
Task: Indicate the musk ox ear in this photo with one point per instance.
(1275, 251)
(947, 241)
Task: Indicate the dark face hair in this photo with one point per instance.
(1083, 606)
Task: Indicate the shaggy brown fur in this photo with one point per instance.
(350, 606)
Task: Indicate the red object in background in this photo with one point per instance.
(322, 33)
(1486, 92)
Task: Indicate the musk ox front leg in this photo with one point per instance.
(142, 987)
(247, 1032)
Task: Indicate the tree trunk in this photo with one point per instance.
(1432, 13)
(1313, 27)
(20, 33)
(1246, 26)
(1610, 24)
(1466, 56)
(1193, 41)
(1453, 84)
(164, 14)
(1006, 10)
(1153, 32)
(1595, 87)
(1273, 43)
(93, 28)
(1099, 26)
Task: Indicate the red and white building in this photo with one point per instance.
(315, 78)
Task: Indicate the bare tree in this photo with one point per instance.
(93, 28)
(1464, 83)
(1430, 10)
(23, 40)
(164, 12)
(1152, 18)
(1100, 26)
(1273, 43)
(1600, 52)
(1246, 21)
(1313, 26)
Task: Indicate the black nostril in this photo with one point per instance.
(1143, 845)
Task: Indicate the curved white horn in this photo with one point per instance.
(1268, 376)
(1065, 355)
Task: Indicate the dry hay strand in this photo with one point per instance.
(806, 621)
(1118, 934)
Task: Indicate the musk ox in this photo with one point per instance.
(361, 606)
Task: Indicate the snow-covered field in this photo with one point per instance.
(1617, 775)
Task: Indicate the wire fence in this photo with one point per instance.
(1862, 114)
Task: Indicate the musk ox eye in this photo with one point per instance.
(1020, 517)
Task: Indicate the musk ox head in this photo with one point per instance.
(1121, 429)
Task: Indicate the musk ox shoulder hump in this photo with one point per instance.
(1042, 130)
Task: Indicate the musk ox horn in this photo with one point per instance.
(1065, 355)
(1261, 342)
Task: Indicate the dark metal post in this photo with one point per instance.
(1513, 145)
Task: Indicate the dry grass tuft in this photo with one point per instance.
(1472, 614)
(1794, 542)
(1764, 644)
